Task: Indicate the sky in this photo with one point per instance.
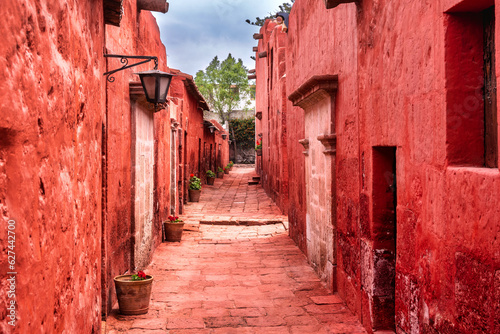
(195, 31)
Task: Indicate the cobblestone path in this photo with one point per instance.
(235, 271)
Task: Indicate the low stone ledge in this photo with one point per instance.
(250, 222)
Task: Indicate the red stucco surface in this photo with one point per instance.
(195, 137)
(51, 111)
(118, 238)
(67, 162)
(271, 101)
(411, 94)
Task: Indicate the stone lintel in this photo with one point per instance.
(136, 93)
(315, 89)
(305, 143)
(329, 141)
(334, 3)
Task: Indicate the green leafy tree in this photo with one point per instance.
(285, 7)
(224, 85)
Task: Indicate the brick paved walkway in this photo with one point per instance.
(233, 199)
(235, 279)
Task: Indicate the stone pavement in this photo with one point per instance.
(246, 278)
(232, 199)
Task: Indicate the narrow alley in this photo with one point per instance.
(235, 271)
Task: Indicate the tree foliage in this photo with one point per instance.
(285, 7)
(224, 85)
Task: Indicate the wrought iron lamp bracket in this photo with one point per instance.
(124, 61)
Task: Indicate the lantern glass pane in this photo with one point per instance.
(149, 86)
(164, 83)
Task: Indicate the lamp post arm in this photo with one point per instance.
(124, 61)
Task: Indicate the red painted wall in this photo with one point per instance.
(66, 170)
(402, 97)
(187, 106)
(272, 102)
(138, 34)
(219, 156)
(50, 156)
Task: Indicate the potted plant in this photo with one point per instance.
(210, 177)
(194, 188)
(231, 165)
(258, 147)
(173, 229)
(134, 293)
(220, 173)
(226, 169)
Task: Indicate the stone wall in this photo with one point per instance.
(50, 163)
(415, 208)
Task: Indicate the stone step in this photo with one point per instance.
(256, 178)
(252, 182)
(243, 222)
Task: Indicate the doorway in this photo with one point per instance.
(384, 195)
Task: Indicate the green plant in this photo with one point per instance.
(210, 173)
(175, 219)
(228, 167)
(139, 276)
(259, 145)
(194, 182)
(231, 164)
(220, 170)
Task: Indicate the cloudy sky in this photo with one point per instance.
(194, 31)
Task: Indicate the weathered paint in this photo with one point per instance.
(50, 156)
(271, 100)
(413, 92)
(74, 176)
(127, 248)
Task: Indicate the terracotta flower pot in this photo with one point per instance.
(194, 195)
(133, 296)
(173, 231)
(259, 152)
(210, 181)
(220, 175)
(226, 171)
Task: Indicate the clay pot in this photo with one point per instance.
(194, 195)
(220, 175)
(259, 152)
(173, 231)
(226, 171)
(210, 181)
(133, 296)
